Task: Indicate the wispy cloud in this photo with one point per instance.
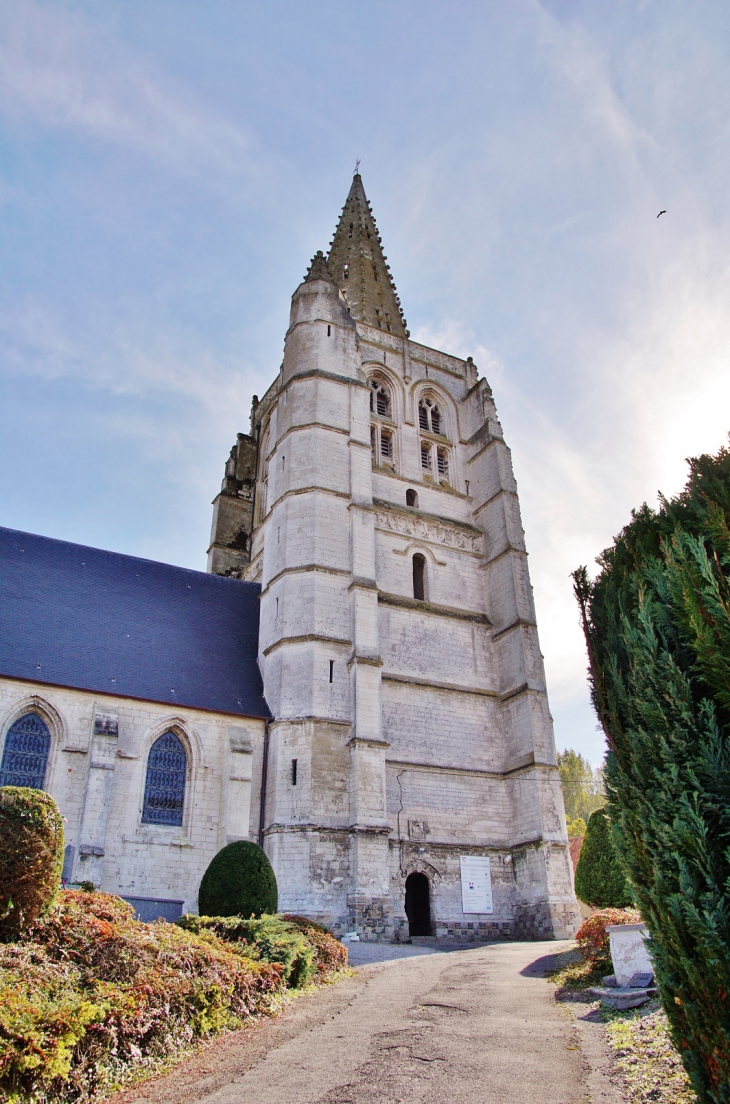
(60, 70)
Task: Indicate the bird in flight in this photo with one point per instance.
(661, 213)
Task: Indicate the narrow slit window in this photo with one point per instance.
(435, 420)
(346, 271)
(329, 330)
(374, 442)
(349, 234)
(425, 456)
(442, 459)
(419, 577)
(423, 416)
(332, 670)
(294, 772)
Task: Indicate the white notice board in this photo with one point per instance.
(476, 884)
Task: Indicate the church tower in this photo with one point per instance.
(411, 785)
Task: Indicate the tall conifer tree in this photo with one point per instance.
(657, 626)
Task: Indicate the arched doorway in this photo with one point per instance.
(418, 904)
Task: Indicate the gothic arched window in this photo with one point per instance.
(429, 416)
(164, 791)
(379, 399)
(25, 756)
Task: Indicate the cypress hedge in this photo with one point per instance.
(599, 877)
(657, 627)
(238, 882)
(31, 857)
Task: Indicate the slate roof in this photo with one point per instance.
(92, 620)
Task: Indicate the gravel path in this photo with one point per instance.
(476, 1026)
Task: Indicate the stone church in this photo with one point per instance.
(356, 683)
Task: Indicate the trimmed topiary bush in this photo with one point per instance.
(599, 879)
(238, 882)
(31, 857)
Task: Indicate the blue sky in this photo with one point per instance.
(167, 170)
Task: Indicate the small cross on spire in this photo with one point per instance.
(357, 167)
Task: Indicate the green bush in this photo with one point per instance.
(599, 878)
(266, 939)
(31, 857)
(238, 882)
(329, 954)
(657, 626)
(302, 947)
(90, 995)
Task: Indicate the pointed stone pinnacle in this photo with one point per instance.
(319, 269)
(358, 265)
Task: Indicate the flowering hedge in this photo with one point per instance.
(593, 939)
(92, 995)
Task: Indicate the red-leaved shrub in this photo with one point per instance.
(91, 994)
(592, 938)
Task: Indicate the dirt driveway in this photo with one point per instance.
(477, 1026)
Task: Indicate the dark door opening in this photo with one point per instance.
(418, 904)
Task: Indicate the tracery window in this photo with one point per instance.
(25, 756)
(164, 791)
(429, 416)
(379, 399)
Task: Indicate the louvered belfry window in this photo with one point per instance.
(164, 792)
(379, 399)
(25, 756)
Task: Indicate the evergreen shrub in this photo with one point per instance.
(263, 939)
(31, 857)
(657, 626)
(329, 954)
(238, 882)
(302, 947)
(599, 878)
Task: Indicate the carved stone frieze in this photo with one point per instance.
(437, 532)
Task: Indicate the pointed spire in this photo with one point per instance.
(359, 266)
(319, 269)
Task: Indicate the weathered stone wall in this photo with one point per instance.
(420, 728)
(98, 782)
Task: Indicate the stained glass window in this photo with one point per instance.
(25, 756)
(164, 792)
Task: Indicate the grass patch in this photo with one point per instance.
(646, 1057)
(643, 1053)
(577, 976)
